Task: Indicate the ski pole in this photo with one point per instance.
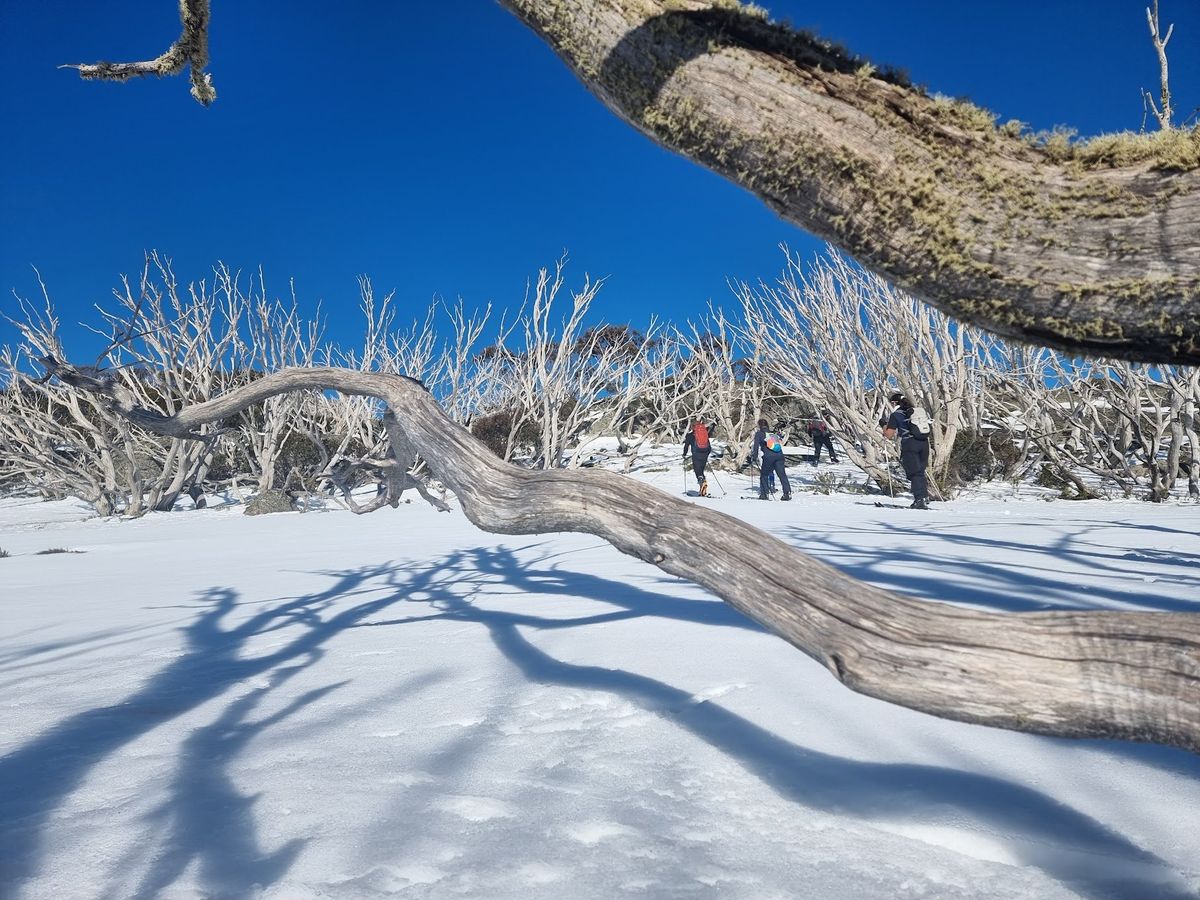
(718, 481)
(887, 461)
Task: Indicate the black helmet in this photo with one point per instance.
(895, 397)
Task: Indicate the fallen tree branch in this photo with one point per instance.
(1074, 674)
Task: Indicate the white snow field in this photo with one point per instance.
(203, 704)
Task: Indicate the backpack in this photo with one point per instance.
(773, 442)
(918, 420)
(700, 436)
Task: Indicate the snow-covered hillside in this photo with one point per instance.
(203, 704)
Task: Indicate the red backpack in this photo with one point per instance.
(700, 435)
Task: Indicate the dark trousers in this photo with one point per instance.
(820, 440)
(772, 462)
(914, 457)
(699, 462)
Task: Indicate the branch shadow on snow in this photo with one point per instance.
(206, 821)
(1038, 584)
(1102, 863)
(205, 818)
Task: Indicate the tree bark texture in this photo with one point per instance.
(1075, 674)
(1043, 247)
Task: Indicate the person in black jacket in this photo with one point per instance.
(914, 447)
(699, 442)
(818, 430)
(771, 447)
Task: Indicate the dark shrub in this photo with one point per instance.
(1049, 476)
(493, 429)
(983, 455)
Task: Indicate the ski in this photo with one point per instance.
(898, 506)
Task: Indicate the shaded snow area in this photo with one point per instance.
(201, 704)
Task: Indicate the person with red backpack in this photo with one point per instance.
(699, 442)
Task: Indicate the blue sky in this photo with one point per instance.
(442, 149)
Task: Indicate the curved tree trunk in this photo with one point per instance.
(1075, 674)
(1053, 248)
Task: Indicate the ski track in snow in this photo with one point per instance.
(323, 705)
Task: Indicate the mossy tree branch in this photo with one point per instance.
(1092, 249)
(190, 50)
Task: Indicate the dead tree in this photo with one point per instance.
(1077, 674)
(1162, 110)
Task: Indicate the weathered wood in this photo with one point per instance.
(1068, 253)
(1075, 674)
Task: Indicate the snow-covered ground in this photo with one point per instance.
(203, 704)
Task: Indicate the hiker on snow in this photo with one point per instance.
(818, 430)
(698, 442)
(771, 446)
(912, 426)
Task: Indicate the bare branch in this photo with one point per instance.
(1162, 112)
(191, 49)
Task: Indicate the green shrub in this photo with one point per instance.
(1049, 476)
(298, 453)
(493, 429)
(980, 456)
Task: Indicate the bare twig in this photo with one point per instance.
(1163, 113)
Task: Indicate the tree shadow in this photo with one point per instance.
(210, 824)
(53, 652)
(37, 777)
(1039, 830)
(951, 569)
(205, 818)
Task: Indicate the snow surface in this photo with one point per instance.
(204, 704)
